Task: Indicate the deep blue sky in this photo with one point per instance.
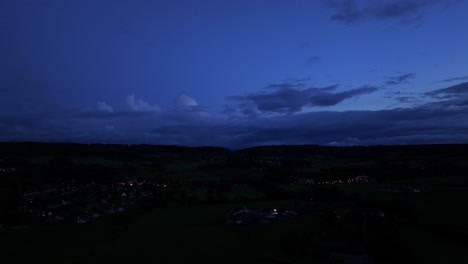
(234, 73)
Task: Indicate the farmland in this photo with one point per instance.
(385, 204)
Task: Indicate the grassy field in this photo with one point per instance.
(99, 161)
(90, 160)
(431, 247)
(442, 230)
(169, 235)
(191, 171)
(439, 230)
(245, 191)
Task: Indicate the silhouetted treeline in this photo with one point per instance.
(356, 151)
(116, 150)
(108, 150)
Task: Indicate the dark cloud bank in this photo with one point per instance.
(291, 98)
(272, 116)
(396, 80)
(453, 79)
(405, 12)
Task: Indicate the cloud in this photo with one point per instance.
(436, 122)
(188, 104)
(347, 11)
(185, 102)
(406, 99)
(139, 105)
(399, 9)
(459, 78)
(397, 126)
(292, 97)
(101, 109)
(451, 92)
(395, 80)
(440, 121)
(453, 97)
(312, 60)
(103, 106)
(405, 12)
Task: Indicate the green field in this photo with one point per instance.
(169, 235)
(431, 247)
(186, 220)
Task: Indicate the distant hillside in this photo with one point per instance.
(353, 151)
(110, 150)
(174, 151)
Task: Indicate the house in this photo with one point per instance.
(140, 183)
(305, 181)
(349, 256)
(390, 188)
(279, 214)
(146, 193)
(82, 219)
(372, 212)
(270, 214)
(289, 213)
(30, 195)
(244, 216)
(59, 217)
(50, 189)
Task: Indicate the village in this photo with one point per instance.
(77, 202)
(336, 209)
(83, 202)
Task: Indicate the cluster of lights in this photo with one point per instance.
(357, 179)
(7, 169)
(64, 189)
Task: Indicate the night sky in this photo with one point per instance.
(234, 73)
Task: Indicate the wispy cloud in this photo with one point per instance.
(140, 105)
(401, 9)
(455, 91)
(441, 121)
(103, 106)
(188, 104)
(293, 97)
(417, 125)
(405, 12)
(346, 11)
(312, 60)
(459, 78)
(396, 80)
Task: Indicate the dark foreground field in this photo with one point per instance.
(169, 235)
(409, 209)
(438, 234)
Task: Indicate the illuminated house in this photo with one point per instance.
(244, 216)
